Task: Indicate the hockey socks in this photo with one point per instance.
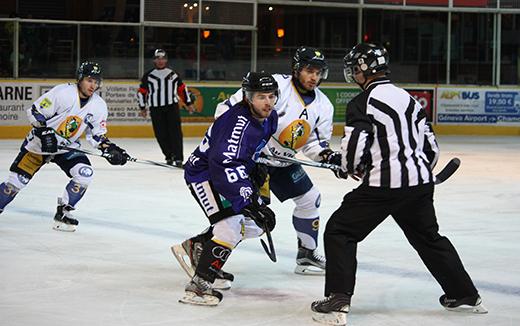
(7, 194)
(307, 230)
(73, 193)
(212, 259)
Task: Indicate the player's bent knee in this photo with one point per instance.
(17, 181)
(308, 202)
(82, 173)
(229, 231)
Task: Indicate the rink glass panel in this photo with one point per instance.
(217, 12)
(510, 52)
(92, 10)
(179, 43)
(472, 48)
(48, 50)
(115, 48)
(224, 55)
(416, 42)
(6, 49)
(328, 29)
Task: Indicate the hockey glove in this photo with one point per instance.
(48, 139)
(261, 214)
(115, 155)
(259, 175)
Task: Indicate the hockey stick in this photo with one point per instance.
(269, 158)
(269, 250)
(131, 159)
(447, 171)
(450, 168)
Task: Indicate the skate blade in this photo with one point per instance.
(331, 318)
(182, 257)
(477, 309)
(64, 227)
(222, 284)
(194, 299)
(308, 270)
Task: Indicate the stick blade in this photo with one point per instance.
(448, 171)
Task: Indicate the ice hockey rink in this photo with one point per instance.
(117, 268)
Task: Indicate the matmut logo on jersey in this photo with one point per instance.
(69, 127)
(295, 135)
(234, 140)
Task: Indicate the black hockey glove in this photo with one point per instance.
(259, 175)
(261, 214)
(48, 139)
(331, 157)
(115, 155)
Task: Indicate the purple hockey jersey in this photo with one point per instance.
(226, 154)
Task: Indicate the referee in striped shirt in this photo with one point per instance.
(161, 89)
(389, 145)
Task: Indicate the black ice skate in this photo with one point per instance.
(332, 310)
(63, 220)
(188, 255)
(309, 262)
(472, 304)
(200, 292)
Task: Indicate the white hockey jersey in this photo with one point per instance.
(62, 112)
(300, 127)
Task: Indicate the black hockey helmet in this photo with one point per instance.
(258, 82)
(89, 69)
(367, 58)
(306, 56)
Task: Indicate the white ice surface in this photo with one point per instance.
(117, 268)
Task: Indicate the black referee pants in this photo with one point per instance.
(166, 122)
(363, 209)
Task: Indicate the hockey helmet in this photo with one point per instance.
(159, 53)
(368, 58)
(258, 82)
(309, 57)
(89, 69)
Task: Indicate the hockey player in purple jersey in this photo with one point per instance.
(218, 174)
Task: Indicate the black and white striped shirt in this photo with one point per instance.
(388, 139)
(161, 87)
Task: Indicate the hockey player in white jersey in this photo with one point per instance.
(304, 124)
(59, 117)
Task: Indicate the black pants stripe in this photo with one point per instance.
(166, 122)
(363, 209)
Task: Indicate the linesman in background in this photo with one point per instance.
(160, 90)
(390, 145)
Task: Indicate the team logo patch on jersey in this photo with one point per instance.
(69, 127)
(295, 135)
(45, 104)
(246, 192)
